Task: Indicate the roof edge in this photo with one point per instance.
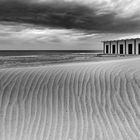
(120, 40)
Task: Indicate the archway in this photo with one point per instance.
(113, 49)
(121, 49)
(129, 48)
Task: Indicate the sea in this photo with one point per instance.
(16, 58)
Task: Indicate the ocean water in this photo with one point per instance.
(33, 58)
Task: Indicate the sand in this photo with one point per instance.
(79, 101)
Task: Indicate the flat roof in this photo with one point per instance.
(120, 40)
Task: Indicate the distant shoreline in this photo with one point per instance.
(43, 52)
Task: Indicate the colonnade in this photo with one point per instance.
(124, 47)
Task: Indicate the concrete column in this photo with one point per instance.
(110, 48)
(104, 48)
(125, 48)
(117, 48)
(133, 48)
(137, 46)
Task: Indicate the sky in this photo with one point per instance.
(66, 24)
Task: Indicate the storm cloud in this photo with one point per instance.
(66, 24)
(68, 15)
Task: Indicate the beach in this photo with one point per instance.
(71, 101)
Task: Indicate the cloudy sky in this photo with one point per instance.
(66, 24)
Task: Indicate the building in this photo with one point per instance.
(122, 47)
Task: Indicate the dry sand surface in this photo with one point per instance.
(80, 101)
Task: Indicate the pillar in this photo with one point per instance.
(110, 48)
(104, 48)
(117, 48)
(125, 48)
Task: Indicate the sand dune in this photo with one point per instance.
(84, 101)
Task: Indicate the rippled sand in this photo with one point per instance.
(80, 101)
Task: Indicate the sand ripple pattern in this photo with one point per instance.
(85, 101)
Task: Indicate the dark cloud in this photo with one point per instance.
(67, 16)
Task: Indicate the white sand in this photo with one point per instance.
(80, 101)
